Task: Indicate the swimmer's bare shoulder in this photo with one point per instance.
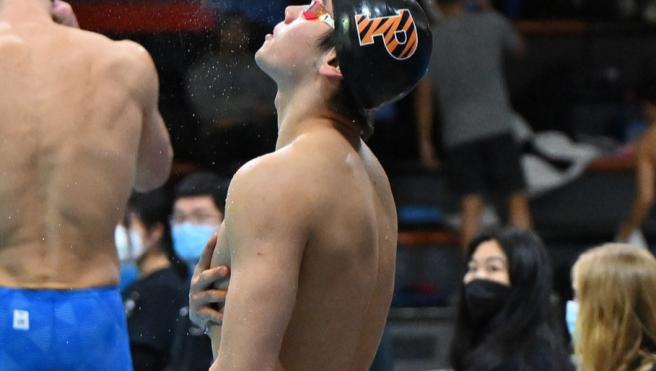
(130, 65)
(277, 179)
(285, 178)
(122, 60)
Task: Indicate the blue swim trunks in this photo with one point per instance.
(63, 330)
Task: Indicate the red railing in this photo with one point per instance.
(143, 18)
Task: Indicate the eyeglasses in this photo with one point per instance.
(195, 218)
(316, 10)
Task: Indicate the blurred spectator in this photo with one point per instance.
(152, 302)
(198, 207)
(231, 96)
(616, 309)
(505, 319)
(197, 212)
(481, 154)
(645, 165)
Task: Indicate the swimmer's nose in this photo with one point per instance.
(291, 13)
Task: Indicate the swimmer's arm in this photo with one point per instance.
(266, 225)
(644, 199)
(155, 151)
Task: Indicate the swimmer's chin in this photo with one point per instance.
(259, 58)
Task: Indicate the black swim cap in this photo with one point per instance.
(383, 47)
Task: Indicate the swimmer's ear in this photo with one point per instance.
(330, 66)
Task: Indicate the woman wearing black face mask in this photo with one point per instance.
(504, 316)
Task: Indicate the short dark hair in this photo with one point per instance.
(154, 208)
(344, 102)
(204, 183)
(524, 331)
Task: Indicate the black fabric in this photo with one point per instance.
(485, 299)
(192, 349)
(537, 355)
(145, 359)
(151, 305)
(487, 166)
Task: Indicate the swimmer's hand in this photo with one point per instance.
(63, 14)
(204, 299)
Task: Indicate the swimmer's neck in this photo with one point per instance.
(25, 11)
(305, 108)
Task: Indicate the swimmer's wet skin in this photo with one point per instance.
(310, 230)
(76, 147)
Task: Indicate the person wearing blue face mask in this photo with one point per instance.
(198, 207)
(197, 212)
(190, 235)
(505, 318)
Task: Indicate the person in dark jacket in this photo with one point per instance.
(153, 301)
(505, 319)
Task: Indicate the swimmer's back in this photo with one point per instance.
(70, 127)
(347, 273)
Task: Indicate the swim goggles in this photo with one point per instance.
(316, 10)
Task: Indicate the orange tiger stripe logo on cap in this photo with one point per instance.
(398, 33)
